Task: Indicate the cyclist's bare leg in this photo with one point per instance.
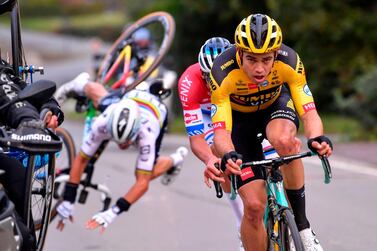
(282, 135)
(95, 92)
(253, 233)
(163, 164)
(170, 165)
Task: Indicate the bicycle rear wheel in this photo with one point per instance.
(283, 233)
(159, 23)
(63, 164)
(66, 156)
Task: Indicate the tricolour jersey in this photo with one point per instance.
(196, 102)
(232, 89)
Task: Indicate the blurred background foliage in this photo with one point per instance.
(337, 40)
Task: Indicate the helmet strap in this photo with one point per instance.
(240, 54)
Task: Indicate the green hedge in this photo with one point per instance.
(38, 8)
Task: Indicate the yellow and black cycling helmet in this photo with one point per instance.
(258, 33)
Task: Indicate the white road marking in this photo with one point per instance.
(347, 165)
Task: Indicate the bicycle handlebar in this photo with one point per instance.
(31, 69)
(279, 161)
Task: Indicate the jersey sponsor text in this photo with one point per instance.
(309, 106)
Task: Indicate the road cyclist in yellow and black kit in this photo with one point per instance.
(259, 85)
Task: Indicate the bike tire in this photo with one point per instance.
(63, 165)
(69, 149)
(41, 198)
(168, 24)
(284, 231)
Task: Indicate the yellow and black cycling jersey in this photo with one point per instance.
(232, 89)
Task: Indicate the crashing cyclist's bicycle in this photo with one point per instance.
(114, 72)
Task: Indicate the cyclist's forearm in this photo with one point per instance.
(200, 148)
(137, 190)
(78, 168)
(312, 124)
(223, 142)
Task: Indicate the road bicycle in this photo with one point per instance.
(279, 220)
(39, 177)
(123, 68)
(39, 166)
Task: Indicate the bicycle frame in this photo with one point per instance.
(125, 57)
(16, 39)
(87, 182)
(275, 194)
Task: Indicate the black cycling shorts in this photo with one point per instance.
(246, 127)
(160, 137)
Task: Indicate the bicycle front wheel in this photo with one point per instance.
(63, 164)
(41, 198)
(66, 156)
(162, 26)
(283, 233)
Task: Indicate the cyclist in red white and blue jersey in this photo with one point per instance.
(195, 97)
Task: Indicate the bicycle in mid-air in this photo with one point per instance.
(281, 227)
(114, 72)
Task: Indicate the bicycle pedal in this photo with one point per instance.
(83, 196)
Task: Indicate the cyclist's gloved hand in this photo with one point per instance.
(53, 106)
(102, 219)
(65, 212)
(315, 145)
(32, 131)
(212, 171)
(234, 166)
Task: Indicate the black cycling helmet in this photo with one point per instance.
(6, 5)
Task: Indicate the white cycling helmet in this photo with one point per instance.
(124, 121)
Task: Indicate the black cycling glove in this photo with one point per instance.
(230, 155)
(319, 139)
(53, 106)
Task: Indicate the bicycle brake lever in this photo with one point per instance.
(219, 190)
(326, 168)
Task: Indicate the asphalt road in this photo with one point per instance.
(187, 216)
